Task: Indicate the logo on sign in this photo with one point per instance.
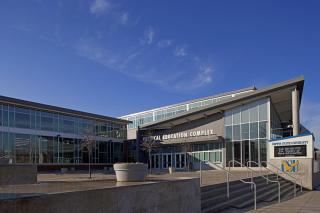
(290, 165)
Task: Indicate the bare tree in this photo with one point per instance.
(88, 142)
(148, 145)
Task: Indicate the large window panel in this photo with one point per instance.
(236, 132)
(22, 118)
(22, 148)
(47, 121)
(254, 130)
(263, 129)
(254, 149)
(263, 150)
(245, 115)
(254, 112)
(263, 111)
(245, 131)
(228, 133)
(11, 116)
(236, 116)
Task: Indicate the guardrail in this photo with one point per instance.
(283, 172)
(228, 180)
(267, 178)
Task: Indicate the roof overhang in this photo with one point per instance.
(277, 93)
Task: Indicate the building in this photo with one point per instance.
(232, 126)
(52, 136)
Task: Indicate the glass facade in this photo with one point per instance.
(167, 112)
(246, 132)
(30, 135)
(184, 156)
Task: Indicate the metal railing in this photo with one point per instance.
(262, 167)
(283, 172)
(267, 178)
(228, 180)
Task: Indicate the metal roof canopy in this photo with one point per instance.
(279, 94)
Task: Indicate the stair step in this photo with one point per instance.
(214, 199)
(262, 194)
(222, 190)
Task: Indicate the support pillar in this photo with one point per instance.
(295, 112)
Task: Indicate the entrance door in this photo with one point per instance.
(155, 161)
(180, 160)
(166, 160)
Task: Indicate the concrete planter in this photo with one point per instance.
(127, 172)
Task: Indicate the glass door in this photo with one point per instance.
(180, 160)
(166, 160)
(155, 161)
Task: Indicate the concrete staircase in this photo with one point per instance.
(214, 197)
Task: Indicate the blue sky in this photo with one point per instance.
(118, 57)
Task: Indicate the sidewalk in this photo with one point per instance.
(308, 202)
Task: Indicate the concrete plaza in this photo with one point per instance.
(308, 202)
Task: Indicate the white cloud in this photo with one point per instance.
(180, 51)
(148, 36)
(99, 6)
(204, 76)
(124, 18)
(310, 118)
(164, 43)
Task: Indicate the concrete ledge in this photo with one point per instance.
(14, 174)
(182, 195)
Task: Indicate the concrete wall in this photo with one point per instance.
(304, 173)
(13, 174)
(168, 196)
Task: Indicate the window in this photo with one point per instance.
(228, 133)
(236, 116)
(22, 118)
(236, 132)
(263, 112)
(245, 126)
(245, 115)
(254, 130)
(245, 131)
(46, 121)
(254, 113)
(263, 129)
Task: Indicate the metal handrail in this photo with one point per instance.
(260, 166)
(295, 179)
(228, 187)
(268, 180)
(235, 161)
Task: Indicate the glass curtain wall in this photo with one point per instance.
(19, 117)
(40, 148)
(246, 132)
(24, 148)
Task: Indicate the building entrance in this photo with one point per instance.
(180, 162)
(166, 160)
(155, 161)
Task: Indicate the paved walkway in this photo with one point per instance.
(208, 176)
(308, 202)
